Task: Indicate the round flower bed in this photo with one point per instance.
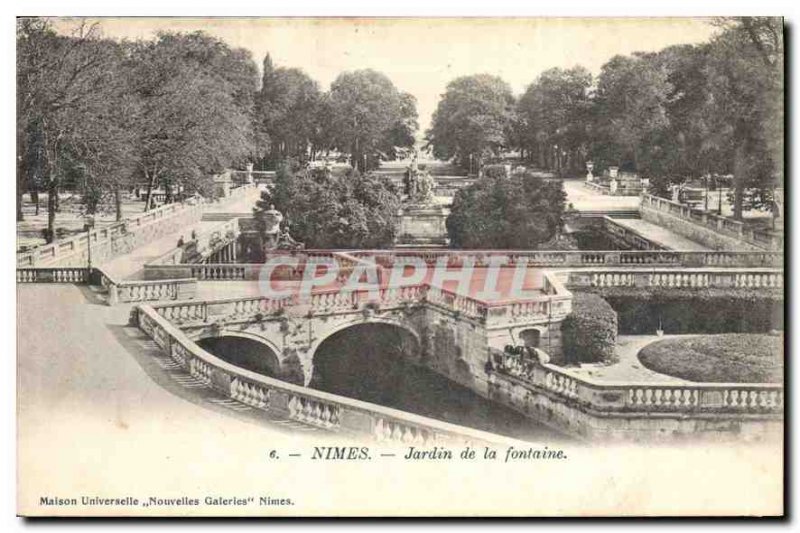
(727, 358)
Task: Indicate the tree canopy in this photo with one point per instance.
(327, 209)
(516, 212)
(473, 119)
(369, 115)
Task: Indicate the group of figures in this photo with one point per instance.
(275, 237)
(419, 184)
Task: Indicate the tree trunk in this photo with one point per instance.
(35, 197)
(20, 216)
(52, 200)
(739, 171)
(118, 203)
(151, 182)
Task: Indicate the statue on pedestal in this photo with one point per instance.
(273, 237)
(272, 226)
(419, 184)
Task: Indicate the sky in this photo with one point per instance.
(422, 55)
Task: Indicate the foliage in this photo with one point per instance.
(553, 118)
(334, 210)
(631, 99)
(368, 116)
(70, 113)
(288, 108)
(194, 118)
(680, 311)
(519, 212)
(589, 332)
(731, 358)
(473, 119)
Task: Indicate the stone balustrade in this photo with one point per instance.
(308, 406)
(683, 278)
(131, 291)
(554, 258)
(684, 398)
(52, 275)
(61, 250)
(723, 225)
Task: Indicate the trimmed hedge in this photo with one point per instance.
(590, 331)
(695, 310)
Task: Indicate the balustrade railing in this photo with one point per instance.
(694, 278)
(724, 225)
(133, 291)
(575, 258)
(52, 275)
(686, 398)
(308, 406)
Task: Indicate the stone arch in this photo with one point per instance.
(357, 358)
(360, 321)
(247, 351)
(532, 336)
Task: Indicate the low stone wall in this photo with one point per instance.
(114, 240)
(710, 278)
(145, 291)
(315, 408)
(648, 412)
(716, 232)
(625, 236)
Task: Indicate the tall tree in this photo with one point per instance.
(365, 107)
(632, 94)
(194, 120)
(61, 82)
(745, 68)
(472, 119)
(287, 112)
(552, 117)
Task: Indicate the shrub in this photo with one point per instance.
(733, 310)
(590, 331)
(333, 209)
(512, 213)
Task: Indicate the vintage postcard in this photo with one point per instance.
(400, 267)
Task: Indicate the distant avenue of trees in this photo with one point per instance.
(101, 116)
(683, 112)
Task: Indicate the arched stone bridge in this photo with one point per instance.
(453, 331)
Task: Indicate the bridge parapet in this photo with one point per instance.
(576, 258)
(631, 410)
(684, 278)
(331, 412)
(722, 225)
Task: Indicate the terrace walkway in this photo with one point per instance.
(661, 235)
(629, 368)
(97, 392)
(130, 266)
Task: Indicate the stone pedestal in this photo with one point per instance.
(422, 225)
(222, 185)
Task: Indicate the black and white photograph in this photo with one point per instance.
(400, 266)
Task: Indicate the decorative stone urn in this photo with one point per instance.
(589, 168)
(272, 227)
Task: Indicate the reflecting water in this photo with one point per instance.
(366, 362)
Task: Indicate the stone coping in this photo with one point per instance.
(442, 430)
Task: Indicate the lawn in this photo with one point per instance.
(728, 358)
